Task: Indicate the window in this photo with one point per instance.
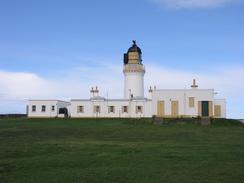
(53, 108)
(96, 109)
(33, 108)
(43, 108)
(111, 109)
(80, 109)
(217, 110)
(125, 109)
(191, 101)
(138, 109)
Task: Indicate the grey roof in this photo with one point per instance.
(98, 98)
(46, 100)
(139, 98)
(113, 100)
(184, 89)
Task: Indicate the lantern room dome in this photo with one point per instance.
(134, 48)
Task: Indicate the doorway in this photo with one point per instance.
(174, 108)
(160, 109)
(205, 108)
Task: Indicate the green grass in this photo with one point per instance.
(120, 150)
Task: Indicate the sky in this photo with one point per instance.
(59, 49)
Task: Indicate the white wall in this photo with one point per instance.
(182, 96)
(48, 103)
(133, 84)
(104, 104)
(149, 106)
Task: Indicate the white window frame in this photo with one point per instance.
(33, 107)
(97, 109)
(123, 109)
(111, 109)
(80, 109)
(43, 109)
(53, 108)
(139, 110)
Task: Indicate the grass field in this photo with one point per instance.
(119, 150)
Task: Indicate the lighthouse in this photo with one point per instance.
(193, 102)
(133, 73)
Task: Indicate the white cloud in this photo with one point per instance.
(16, 88)
(188, 4)
(70, 84)
(18, 85)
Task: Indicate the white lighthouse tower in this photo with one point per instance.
(134, 73)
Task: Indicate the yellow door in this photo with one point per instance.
(160, 112)
(210, 107)
(217, 111)
(174, 108)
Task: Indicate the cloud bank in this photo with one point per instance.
(189, 4)
(16, 87)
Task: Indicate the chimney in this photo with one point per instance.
(92, 92)
(194, 85)
(96, 92)
(150, 92)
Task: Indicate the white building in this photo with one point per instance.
(191, 102)
(46, 108)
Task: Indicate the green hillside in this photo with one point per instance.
(120, 151)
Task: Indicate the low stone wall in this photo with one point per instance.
(202, 121)
(12, 115)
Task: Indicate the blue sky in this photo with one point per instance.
(57, 44)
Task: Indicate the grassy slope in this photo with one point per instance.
(92, 150)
